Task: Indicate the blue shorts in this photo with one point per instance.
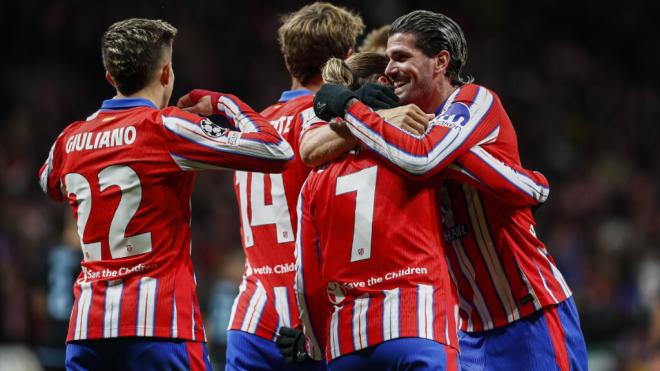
(400, 354)
(547, 340)
(251, 352)
(134, 353)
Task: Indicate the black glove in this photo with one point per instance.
(377, 96)
(330, 101)
(291, 343)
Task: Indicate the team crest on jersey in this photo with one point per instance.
(455, 117)
(212, 129)
(336, 292)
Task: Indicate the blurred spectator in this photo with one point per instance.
(63, 268)
(18, 358)
(220, 302)
(376, 40)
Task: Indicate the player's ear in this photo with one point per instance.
(166, 74)
(441, 61)
(109, 79)
(347, 54)
(286, 63)
(383, 80)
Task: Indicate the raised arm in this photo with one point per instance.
(466, 122)
(196, 143)
(510, 183)
(322, 143)
(451, 134)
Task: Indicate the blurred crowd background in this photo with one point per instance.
(579, 80)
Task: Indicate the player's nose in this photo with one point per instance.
(391, 70)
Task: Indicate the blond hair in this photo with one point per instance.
(132, 50)
(376, 40)
(357, 70)
(314, 34)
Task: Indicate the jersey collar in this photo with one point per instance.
(292, 94)
(437, 112)
(449, 98)
(123, 103)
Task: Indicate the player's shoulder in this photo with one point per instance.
(176, 113)
(302, 102)
(290, 107)
(470, 94)
(72, 128)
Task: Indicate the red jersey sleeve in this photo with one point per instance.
(310, 293)
(309, 122)
(469, 119)
(508, 182)
(49, 174)
(197, 143)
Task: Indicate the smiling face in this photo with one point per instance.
(418, 78)
(415, 76)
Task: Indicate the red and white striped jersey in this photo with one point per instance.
(267, 204)
(503, 272)
(125, 171)
(369, 263)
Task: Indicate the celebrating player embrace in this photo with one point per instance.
(386, 217)
(507, 282)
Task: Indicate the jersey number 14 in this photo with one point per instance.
(277, 212)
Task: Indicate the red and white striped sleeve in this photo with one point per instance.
(508, 182)
(49, 173)
(467, 121)
(311, 295)
(197, 143)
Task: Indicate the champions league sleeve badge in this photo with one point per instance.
(211, 129)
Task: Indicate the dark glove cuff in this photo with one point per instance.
(330, 101)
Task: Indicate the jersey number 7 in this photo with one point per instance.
(363, 183)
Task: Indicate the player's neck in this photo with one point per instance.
(155, 95)
(439, 95)
(313, 84)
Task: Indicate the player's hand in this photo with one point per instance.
(330, 101)
(199, 101)
(409, 118)
(291, 343)
(377, 96)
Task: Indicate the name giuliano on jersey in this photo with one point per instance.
(369, 266)
(267, 204)
(503, 272)
(127, 172)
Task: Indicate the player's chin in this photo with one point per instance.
(404, 97)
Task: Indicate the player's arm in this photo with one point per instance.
(49, 173)
(196, 143)
(508, 182)
(323, 143)
(464, 124)
(311, 295)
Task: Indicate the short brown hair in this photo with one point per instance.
(357, 70)
(314, 34)
(376, 40)
(131, 51)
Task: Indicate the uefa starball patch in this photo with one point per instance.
(211, 129)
